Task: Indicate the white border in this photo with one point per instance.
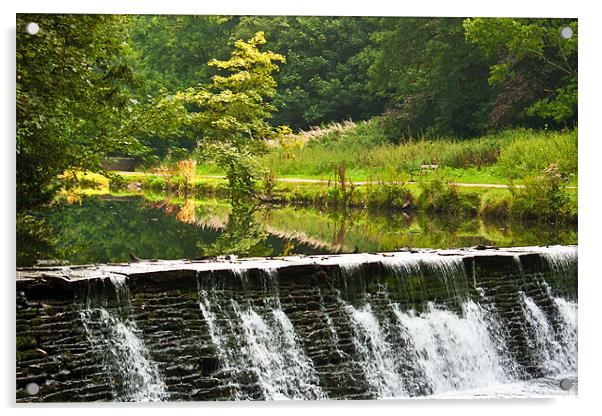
(590, 173)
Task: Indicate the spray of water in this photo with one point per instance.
(116, 338)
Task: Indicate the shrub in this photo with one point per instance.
(544, 198)
(154, 183)
(440, 196)
(392, 196)
(117, 182)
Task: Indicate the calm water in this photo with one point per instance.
(103, 229)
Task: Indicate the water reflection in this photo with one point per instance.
(100, 229)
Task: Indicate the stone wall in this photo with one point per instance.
(54, 349)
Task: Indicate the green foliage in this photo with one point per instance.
(34, 239)
(441, 196)
(389, 196)
(534, 64)
(231, 113)
(100, 230)
(543, 198)
(495, 205)
(326, 76)
(70, 93)
(366, 155)
(527, 154)
(431, 74)
(74, 101)
(170, 50)
(154, 183)
(244, 235)
(436, 81)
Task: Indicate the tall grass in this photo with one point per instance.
(533, 152)
(366, 153)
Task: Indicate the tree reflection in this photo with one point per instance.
(34, 240)
(244, 235)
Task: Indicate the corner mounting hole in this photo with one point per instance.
(32, 28)
(32, 389)
(566, 32)
(566, 384)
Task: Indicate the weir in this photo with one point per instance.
(365, 326)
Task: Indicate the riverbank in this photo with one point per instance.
(545, 198)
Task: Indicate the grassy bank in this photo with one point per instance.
(537, 165)
(543, 198)
(367, 154)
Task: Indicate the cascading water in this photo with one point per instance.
(376, 355)
(557, 350)
(115, 337)
(261, 341)
(455, 352)
(392, 326)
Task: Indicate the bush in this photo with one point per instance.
(544, 198)
(440, 196)
(117, 182)
(392, 196)
(154, 183)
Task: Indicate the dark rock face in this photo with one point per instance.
(308, 330)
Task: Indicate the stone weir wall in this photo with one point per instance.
(340, 327)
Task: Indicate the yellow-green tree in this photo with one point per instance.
(231, 113)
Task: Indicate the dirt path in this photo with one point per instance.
(355, 183)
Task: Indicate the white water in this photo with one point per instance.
(272, 350)
(375, 353)
(557, 351)
(135, 377)
(263, 342)
(454, 352)
(459, 353)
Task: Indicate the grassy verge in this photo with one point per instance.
(544, 197)
(367, 155)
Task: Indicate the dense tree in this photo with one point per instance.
(534, 71)
(326, 76)
(76, 101)
(72, 96)
(89, 86)
(436, 82)
(171, 52)
(434, 76)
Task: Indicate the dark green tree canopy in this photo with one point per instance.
(72, 80)
(534, 66)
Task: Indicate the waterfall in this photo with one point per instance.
(563, 262)
(557, 350)
(376, 354)
(389, 326)
(262, 341)
(455, 352)
(115, 336)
